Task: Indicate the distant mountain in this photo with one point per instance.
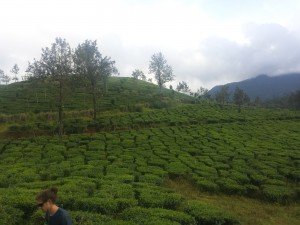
(264, 86)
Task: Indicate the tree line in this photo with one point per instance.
(63, 66)
(5, 78)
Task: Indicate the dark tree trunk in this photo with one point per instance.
(94, 103)
(60, 111)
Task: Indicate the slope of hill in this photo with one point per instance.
(122, 93)
(118, 177)
(264, 86)
(130, 169)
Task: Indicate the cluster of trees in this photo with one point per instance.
(223, 96)
(291, 100)
(59, 64)
(6, 78)
(239, 97)
(85, 65)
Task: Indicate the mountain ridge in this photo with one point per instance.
(264, 86)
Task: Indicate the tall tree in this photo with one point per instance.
(240, 98)
(294, 99)
(162, 71)
(56, 63)
(108, 69)
(223, 95)
(90, 66)
(138, 74)
(257, 101)
(15, 70)
(2, 74)
(4, 78)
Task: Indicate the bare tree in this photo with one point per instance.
(15, 70)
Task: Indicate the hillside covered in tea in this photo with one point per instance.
(150, 157)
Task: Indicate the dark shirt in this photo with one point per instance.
(61, 217)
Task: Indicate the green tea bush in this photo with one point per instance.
(149, 197)
(10, 215)
(276, 193)
(74, 126)
(231, 186)
(151, 178)
(206, 185)
(115, 189)
(241, 178)
(177, 169)
(90, 218)
(20, 199)
(144, 216)
(209, 215)
(100, 205)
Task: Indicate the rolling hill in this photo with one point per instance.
(122, 93)
(149, 158)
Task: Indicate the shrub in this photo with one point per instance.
(162, 216)
(257, 179)
(74, 126)
(157, 198)
(10, 215)
(280, 194)
(100, 205)
(206, 185)
(20, 199)
(177, 169)
(89, 218)
(231, 186)
(241, 178)
(151, 178)
(206, 214)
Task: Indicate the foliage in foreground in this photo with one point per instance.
(117, 177)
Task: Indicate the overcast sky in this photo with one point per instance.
(207, 42)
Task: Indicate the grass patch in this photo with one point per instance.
(248, 211)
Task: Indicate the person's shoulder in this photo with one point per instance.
(66, 217)
(64, 212)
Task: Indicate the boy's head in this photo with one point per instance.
(46, 198)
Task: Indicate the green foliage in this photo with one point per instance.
(153, 197)
(125, 94)
(89, 218)
(206, 185)
(140, 215)
(209, 215)
(10, 215)
(280, 194)
(116, 176)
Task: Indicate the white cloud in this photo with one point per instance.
(207, 42)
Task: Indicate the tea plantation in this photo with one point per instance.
(113, 170)
(117, 177)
